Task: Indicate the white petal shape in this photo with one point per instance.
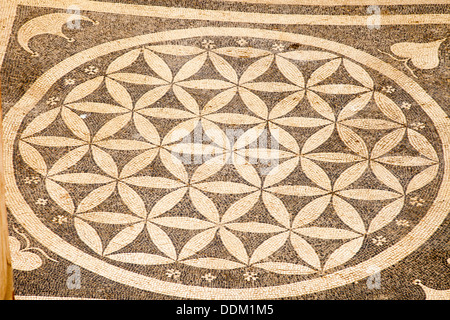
(368, 194)
(301, 122)
(251, 135)
(97, 107)
(153, 182)
(60, 196)
(119, 93)
(176, 50)
(240, 207)
(254, 103)
(166, 113)
(268, 247)
(68, 160)
(75, 124)
(173, 165)
(215, 134)
(161, 240)
(284, 138)
(206, 84)
(191, 67)
(385, 176)
(386, 215)
(350, 175)
(305, 251)
(422, 145)
(124, 144)
(277, 209)
(354, 106)
(41, 122)
(389, 108)
(225, 187)
(233, 118)
(352, 140)
(316, 174)
(241, 52)
(83, 90)
(137, 78)
(406, 161)
(124, 238)
(344, 253)
(151, 96)
(320, 106)
(264, 153)
(387, 143)
(307, 55)
(204, 205)
(323, 72)
(144, 259)
(298, 191)
(96, 197)
(337, 157)
(138, 163)
(180, 131)
(123, 61)
(52, 141)
(286, 104)
(184, 223)
(105, 162)
(82, 178)
(197, 243)
(112, 127)
(223, 67)
(371, 124)
(209, 168)
(219, 101)
(327, 233)
(348, 214)
(234, 245)
(256, 69)
(290, 71)
(280, 172)
(422, 179)
(339, 89)
(318, 138)
(146, 129)
(33, 158)
(132, 200)
(246, 171)
(109, 217)
(158, 65)
(88, 235)
(254, 227)
(311, 211)
(270, 86)
(358, 73)
(167, 202)
(285, 268)
(213, 263)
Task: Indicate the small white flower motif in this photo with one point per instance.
(242, 42)
(53, 101)
(405, 105)
(417, 125)
(173, 274)
(208, 44)
(208, 277)
(416, 201)
(30, 180)
(379, 240)
(278, 47)
(250, 276)
(91, 70)
(69, 82)
(402, 223)
(59, 219)
(388, 89)
(41, 201)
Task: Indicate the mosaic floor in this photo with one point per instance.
(227, 150)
